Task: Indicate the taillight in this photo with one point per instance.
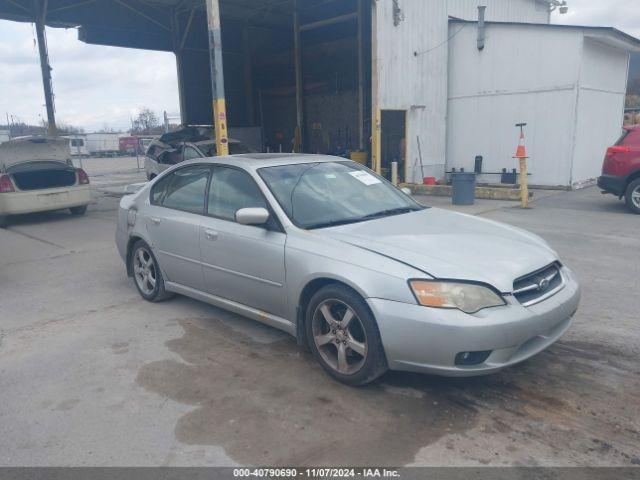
(5, 184)
(618, 149)
(83, 178)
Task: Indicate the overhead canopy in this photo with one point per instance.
(161, 25)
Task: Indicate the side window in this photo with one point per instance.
(185, 189)
(191, 153)
(232, 189)
(159, 189)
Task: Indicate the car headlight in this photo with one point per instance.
(468, 297)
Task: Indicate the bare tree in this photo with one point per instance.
(145, 123)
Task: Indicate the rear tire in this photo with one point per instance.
(81, 210)
(147, 274)
(343, 336)
(632, 196)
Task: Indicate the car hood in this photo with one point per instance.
(34, 148)
(451, 245)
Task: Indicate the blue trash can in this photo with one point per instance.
(464, 188)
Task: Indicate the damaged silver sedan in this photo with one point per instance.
(188, 143)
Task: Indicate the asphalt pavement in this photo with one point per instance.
(90, 374)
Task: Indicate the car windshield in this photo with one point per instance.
(321, 195)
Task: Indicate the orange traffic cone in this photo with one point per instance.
(522, 150)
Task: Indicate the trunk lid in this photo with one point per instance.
(34, 149)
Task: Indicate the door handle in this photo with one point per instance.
(155, 220)
(210, 234)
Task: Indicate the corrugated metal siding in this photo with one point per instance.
(410, 82)
(407, 80)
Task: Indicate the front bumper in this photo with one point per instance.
(427, 340)
(32, 201)
(612, 184)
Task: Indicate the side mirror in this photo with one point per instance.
(252, 216)
(406, 191)
(134, 188)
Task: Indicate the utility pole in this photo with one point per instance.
(217, 78)
(40, 15)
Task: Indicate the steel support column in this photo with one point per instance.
(248, 76)
(297, 144)
(360, 75)
(376, 121)
(217, 78)
(39, 15)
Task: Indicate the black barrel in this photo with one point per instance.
(464, 188)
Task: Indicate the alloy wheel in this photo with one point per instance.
(144, 270)
(339, 336)
(635, 197)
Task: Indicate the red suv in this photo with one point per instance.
(621, 169)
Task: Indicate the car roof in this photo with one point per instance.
(260, 160)
(211, 141)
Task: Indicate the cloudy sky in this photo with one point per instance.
(99, 86)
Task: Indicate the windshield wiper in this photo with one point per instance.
(371, 216)
(391, 211)
(334, 223)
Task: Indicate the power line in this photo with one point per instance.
(417, 54)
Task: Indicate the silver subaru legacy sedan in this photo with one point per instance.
(354, 268)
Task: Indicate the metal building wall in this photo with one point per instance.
(524, 74)
(600, 99)
(568, 89)
(524, 11)
(412, 78)
(412, 66)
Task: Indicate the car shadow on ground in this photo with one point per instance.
(239, 388)
(40, 217)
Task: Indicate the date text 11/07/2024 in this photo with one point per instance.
(314, 473)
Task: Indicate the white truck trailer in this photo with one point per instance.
(103, 144)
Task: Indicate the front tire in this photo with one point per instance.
(343, 336)
(146, 273)
(632, 196)
(77, 211)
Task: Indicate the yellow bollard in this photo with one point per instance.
(524, 183)
(521, 154)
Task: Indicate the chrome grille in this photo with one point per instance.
(539, 285)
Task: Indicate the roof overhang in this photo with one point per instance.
(147, 24)
(605, 35)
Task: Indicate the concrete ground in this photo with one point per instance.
(90, 374)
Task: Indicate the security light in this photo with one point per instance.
(560, 5)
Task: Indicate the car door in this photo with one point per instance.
(242, 263)
(173, 222)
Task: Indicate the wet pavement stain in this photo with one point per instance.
(272, 404)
